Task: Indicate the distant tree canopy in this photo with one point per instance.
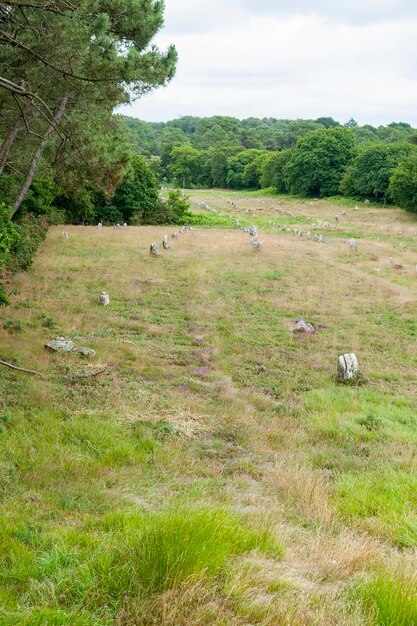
(306, 157)
(403, 184)
(319, 160)
(369, 174)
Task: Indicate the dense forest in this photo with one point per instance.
(304, 157)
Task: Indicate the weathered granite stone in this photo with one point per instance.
(347, 367)
(60, 344)
(154, 250)
(104, 299)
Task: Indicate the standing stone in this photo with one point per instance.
(104, 299)
(154, 250)
(352, 244)
(165, 243)
(347, 367)
(99, 225)
(65, 234)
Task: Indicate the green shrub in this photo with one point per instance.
(32, 231)
(9, 234)
(4, 298)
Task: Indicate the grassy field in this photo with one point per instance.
(205, 467)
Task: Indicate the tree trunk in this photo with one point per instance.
(7, 144)
(38, 153)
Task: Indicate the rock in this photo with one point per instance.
(83, 351)
(65, 234)
(104, 299)
(253, 231)
(60, 344)
(352, 244)
(165, 243)
(154, 250)
(303, 328)
(347, 367)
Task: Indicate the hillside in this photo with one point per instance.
(205, 467)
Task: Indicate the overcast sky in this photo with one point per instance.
(289, 59)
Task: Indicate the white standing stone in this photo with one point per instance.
(99, 225)
(104, 299)
(65, 234)
(352, 244)
(154, 250)
(347, 367)
(165, 243)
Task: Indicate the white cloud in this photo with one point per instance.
(268, 62)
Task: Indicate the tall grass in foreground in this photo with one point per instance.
(389, 601)
(129, 556)
(184, 544)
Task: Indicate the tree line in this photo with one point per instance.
(304, 157)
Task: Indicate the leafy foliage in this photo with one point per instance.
(319, 161)
(369, 174)
(9, 234)
(403, 185)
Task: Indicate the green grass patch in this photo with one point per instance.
(387, 600)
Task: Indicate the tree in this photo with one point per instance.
(58, 57)
(236, 166)
(403, 184)
(273, 171)
(252, 173)
(216, 161)
(369, 174)
(319, 161)
(185, 166)
(138, 193)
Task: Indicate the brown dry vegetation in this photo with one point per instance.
(208, 400)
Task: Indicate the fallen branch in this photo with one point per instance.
(20, 369)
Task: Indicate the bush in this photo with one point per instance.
(403, 185)
(32, 231)
(9, 234)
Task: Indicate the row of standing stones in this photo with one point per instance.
(347, 367)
